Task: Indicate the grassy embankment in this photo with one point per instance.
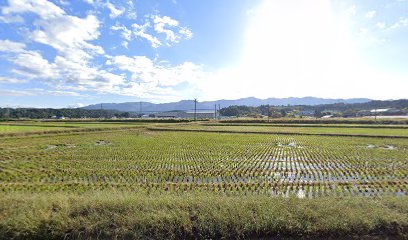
(109, 215)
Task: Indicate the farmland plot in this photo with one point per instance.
(21, 128)
(352, 130)
(228, 164)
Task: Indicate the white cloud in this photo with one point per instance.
(69, 35)
(156, 30)
(124, 44)
(31, 64)
(11, 19)
(89, 78)
(76, 105)
(60, 93)
(10, 46)
(36, 92)
(71, 70)
(114, 12)
(160, 24)
(43, 8)
(15, 93)
(125, 32)
(158, 76)
(140, 31)
(131, 11)
(401, 22)
(11, 80)
(166, 24)
(370, 14)
(187, 33)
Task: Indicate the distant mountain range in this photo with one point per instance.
(188, 105)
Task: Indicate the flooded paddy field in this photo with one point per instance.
(135, 160)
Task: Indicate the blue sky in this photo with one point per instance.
(72, 53)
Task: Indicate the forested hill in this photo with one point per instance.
(376, 104)
(186, 105)
(341, 109)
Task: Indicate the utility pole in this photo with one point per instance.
(219, 111)
(140, 109)
(195, 109)
(375, 116)
(215, 111)
(101, 110)
(7, 113)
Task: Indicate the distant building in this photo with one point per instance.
(327, 116)
(381, 112)
(307, 113)
(182, 114)
(167, 115)
(58, 117)
(199, 115)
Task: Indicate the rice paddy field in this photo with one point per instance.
(200, 180)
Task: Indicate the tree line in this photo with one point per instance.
(337, 109)
(47, 113)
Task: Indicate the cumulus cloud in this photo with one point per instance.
(125, 32)
(114, 11)
(156, 30)
(165, 25)
(43, 8)
(10, 46)
(9, 80)
(70, 36)
(11, 19)
(140, 31)
(36, 92)
(73, 67)
(158, 77)
(31, 64)
(145, 70)
(67, 34)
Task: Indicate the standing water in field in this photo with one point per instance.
(301, 194)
